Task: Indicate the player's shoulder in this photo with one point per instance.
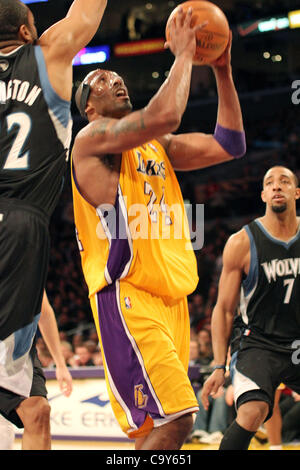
(238, 240)
(236, 248)
(89, 140)
(80, 145)
(85, 134)
(96, 128)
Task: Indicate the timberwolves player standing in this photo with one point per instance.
(262, 262)
(35, 133)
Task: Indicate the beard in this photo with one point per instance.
(279, 209)
(123, 109)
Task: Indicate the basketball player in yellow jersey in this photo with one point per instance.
(138, 264)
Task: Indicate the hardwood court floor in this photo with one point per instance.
(82, 445)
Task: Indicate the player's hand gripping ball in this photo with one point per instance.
(213, 38)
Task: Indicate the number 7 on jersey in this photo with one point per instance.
(290, 284)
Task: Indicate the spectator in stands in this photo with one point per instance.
(46, 358)
(196, 311)
(91, 345)
(93, 336)
(68, 353)
(290, 410)
(77, 340)
(210, 424)
(97, 357)
(205, 347)
(83, 357)
(194, 352)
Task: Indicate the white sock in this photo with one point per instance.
(276, 447)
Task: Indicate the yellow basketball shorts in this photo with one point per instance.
(145, 345)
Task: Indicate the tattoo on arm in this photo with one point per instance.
(99, 128)
(119, 127)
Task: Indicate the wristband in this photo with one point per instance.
(219, 366)
(234, 142)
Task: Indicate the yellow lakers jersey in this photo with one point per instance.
(145, 236)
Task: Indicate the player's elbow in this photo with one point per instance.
(169, 121)
(240, 150)
(163, 117)
(233, 142)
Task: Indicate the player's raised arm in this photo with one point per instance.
(62, 41)
(196, 150)
(69, 35)
(162, 114)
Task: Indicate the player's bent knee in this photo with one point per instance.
(36, 415)
(44, 409)
(252, 414)
(42, 413)
(178, 430)
(187, 421)
(182, 426)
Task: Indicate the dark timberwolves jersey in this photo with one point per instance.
(270, 294)
(35, 130)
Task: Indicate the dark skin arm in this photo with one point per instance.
(196, 150)
(107, 136)
(236, 261)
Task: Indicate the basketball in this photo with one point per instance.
(213, 38)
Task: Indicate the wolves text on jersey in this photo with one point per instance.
(281, 267)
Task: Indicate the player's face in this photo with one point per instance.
(109, 94)
(279, 191)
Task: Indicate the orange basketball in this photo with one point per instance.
(213, 38)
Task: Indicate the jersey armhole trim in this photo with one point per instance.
(251, 279)
(60, 107)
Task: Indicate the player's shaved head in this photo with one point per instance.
(83, 92)
(285, 171)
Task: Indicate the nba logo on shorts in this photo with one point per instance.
(127, 302)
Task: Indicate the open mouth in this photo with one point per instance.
(121, 93)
